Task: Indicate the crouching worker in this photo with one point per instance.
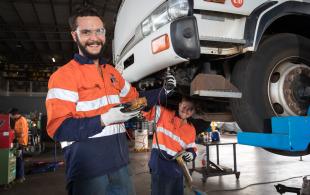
(174, 133)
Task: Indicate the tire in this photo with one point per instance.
(257, 76)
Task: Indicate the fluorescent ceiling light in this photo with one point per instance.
(53, 59)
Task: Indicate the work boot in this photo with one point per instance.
(20, 180)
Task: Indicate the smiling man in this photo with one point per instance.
(89, 34)
(82, 115)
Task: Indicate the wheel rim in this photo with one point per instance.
(286, 84)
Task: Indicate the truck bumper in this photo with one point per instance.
(184, 45)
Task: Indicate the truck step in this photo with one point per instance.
(222, 40)
(211, 85)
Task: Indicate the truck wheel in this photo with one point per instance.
(272, 81)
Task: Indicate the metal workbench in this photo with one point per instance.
(215, 169)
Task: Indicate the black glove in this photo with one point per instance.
(188, 156)
(169, 83)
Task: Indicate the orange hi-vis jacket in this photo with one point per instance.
(80, 91)
(173, 137)
(77, 95)
(21, 130)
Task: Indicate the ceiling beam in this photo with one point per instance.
(46, 27)
(55, 23)
(38, 19)
(32, 31)
(36, 40)
(60, 3)
(12, 51)
(21, 21)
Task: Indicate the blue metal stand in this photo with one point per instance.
(290, 133)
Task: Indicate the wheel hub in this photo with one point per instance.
(287, 85)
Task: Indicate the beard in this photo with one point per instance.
(86, 53)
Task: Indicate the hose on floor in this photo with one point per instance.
(254, 184)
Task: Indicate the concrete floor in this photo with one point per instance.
(255, 164)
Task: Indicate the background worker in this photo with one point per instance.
(174, 133)
(21, 129)
(82, 116)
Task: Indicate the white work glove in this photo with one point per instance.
(169, 83)
(114, 115)
(188, 156)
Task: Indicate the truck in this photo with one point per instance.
(244, 58)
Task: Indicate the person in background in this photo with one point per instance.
(174, 134)
(82, 112)
(21, 129)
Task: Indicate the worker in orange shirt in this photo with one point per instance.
(82, 112)
(174, 134)
(21, 133)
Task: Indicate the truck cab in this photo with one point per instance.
(246, 58)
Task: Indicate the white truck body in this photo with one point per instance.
(259, 46)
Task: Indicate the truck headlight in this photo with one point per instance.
(160, 17)
(147, 27)
(178, 8)
(168, 11)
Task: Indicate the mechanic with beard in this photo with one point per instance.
(82, 114)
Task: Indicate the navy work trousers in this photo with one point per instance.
(164, 185)
(20, 167)
(116, 183)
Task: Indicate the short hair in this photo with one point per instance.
(81, 11)
(14, 111)
(188, 99)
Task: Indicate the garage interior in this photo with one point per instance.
(260, 171)
(35, 41)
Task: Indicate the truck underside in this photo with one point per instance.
(268, 62)
(272, 81)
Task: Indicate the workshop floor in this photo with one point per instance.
(260, 171)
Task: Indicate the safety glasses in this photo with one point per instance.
(88, 32)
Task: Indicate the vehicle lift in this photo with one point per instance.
(291, 133)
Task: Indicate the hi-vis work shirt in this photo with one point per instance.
(173, 137)
(77, 95)
(21, 130)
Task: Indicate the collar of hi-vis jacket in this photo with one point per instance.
(85, 60)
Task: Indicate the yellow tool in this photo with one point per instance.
(182, 164)
(190, 189)
(136, 104)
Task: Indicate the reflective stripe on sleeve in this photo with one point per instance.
(172, 136)
(97, 103)
(65, 144)
(125, 89)
(157, 113)
(106, 131)
(62, 94)
(111, 130)
(162, 147)
(191, 145)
